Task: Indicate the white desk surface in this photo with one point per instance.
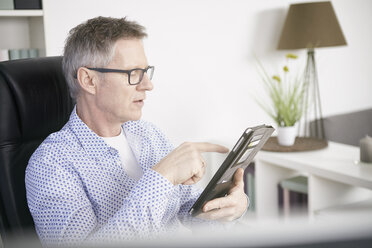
(338, 162)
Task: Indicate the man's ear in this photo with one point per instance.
(87, 80)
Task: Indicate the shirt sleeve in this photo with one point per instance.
(188, 193)
(63, 213)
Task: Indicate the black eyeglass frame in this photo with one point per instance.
(128, 72)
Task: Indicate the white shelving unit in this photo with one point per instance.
(335, 178)
(21, 13)
(22, 29)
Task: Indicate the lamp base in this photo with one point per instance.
(311, 124)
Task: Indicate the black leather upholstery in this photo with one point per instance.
(34, 102)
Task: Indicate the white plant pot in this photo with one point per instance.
(287, 135)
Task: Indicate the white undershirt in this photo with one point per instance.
(128, 160)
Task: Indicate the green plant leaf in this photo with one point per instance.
(276, 78)
(287, 96)
(291, 56)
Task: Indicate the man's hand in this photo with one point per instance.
(185, 165)
(230, 207)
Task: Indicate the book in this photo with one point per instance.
(33, 53)
(27, 4)
(4, 55)
(14, 54)
(23, 53)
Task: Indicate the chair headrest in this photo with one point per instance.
(34, 98)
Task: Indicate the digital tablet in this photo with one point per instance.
(240, 156)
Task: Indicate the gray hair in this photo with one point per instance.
(92, 44)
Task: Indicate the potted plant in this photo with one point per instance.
(286, 106)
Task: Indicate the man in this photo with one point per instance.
(107, 175)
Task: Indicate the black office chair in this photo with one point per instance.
(34, 102)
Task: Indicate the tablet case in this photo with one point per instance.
(241, 156)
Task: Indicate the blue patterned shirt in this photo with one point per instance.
(77, 189)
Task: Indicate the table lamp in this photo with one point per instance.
(311, 25)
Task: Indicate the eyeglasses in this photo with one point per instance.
(135, 75)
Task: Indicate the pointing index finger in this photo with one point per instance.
(209, 147)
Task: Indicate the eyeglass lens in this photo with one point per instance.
(136, 76)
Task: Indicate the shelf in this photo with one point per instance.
(334, 179)
(21, 13)
(336, 162)
(25, 29)
(361, 208)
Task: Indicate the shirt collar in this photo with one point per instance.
(95, 146)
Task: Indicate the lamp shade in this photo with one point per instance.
(311, 25)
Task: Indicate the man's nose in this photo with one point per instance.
(145, 84)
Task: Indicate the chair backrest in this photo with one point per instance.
(34, 102)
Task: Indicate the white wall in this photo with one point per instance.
(7, 26)
(205, 76)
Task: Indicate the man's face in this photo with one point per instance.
(120, 101)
